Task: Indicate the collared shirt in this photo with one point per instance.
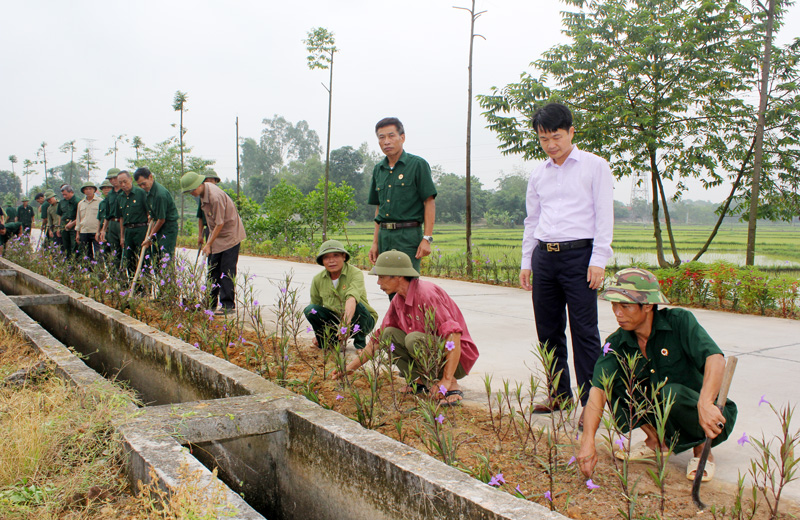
(676, 351)
(350, 283)
(67, 210)
(160, 204)
(134, 210)
(25, 215)
(400, 192)
(573, 201)
(53, 219)
(12, 229)
(43, 210)
(408, 314)
(11, 213)
(87, 220)
(200, 214)
(102, 212)
(112, 204)
(221, 211)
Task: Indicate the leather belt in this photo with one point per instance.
(557, 247)
(137, 224)
(114, 219)
(399, 225)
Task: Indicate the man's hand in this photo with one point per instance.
(98, 237)
(78, 238)
(200, 240)
(525, 279)
(373, 253)
(710, 418)
(146, 243)
(58, 233)
(122, 241)
(50, 234)
(207, 250)
(424, 249)
(335, 375)
(595, 276)
(587, 457)
(436, 389)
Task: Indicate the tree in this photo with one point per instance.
(345, 166)
(138, 145)
(164, 160)
(287, 141)
(42, 152)
(13, 160)
(88, 161)
(69, 147)
(258, 162)
(321, 47)
(659, 87)
(179, 105)
(114, 149)
(10, 183)
(27, 171)
(451, 201)
(510, 196)
(340, 203)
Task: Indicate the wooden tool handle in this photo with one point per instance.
(727, 377)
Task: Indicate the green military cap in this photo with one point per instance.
(332, 246)
(49, 194)
(106, 184)
(88, 184)
(211, 174)
(26, 199)
(634, 285)
(112, 173)
(394, 263)
(190, 181)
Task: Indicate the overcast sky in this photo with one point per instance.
(91, 69)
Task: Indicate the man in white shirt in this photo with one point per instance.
(565, 247)
(86, 222)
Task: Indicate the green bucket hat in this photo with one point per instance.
(49, 194)
(105, 184)
(190, 181)
(332, 246)
(394, 263)
(210, 174)
(112, 172)
(89, 184)
(26, 199)
(634, 285)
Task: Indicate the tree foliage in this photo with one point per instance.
(164, 160)
(10, 184)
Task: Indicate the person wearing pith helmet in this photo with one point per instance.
(675, 351)
(87, 221)
(102, 216)
(110, 232)
(25, 215)
(339, 308)
(222, 248)
(407, 329)
(202, 226)
(53, 219)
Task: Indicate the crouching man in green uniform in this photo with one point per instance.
(339, 299)
(7, 232)
(675, 350)
(133, 221)
(164, 214)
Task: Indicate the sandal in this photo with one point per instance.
(444, 402)
(691, 469)
(640, 452)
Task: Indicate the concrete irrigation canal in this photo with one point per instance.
(279, 455)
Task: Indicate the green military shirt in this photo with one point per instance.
(160, 204)
(400, 192)
(102, 211)
(25, 215)
(113, 206)
(350, 283)
(53, 220)
(12, 229)
(43, 210)
(134, 208)
(67, 210)
(11, 213)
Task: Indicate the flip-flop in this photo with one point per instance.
(691, 469)
(444, 402)
(640, 452)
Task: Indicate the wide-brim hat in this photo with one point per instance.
(332, 246)
(394, 263)
(634, 285)
(112, 173)
(105, 184)
(88, 185)
(190, 181)
(49, 194)
(211, 174)
(26, 199)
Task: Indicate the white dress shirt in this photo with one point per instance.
(573, 201)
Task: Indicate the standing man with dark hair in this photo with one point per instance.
(53, 220)
(133, 221)
(86, 223)
(403, 191)
(222, 248)
(25, 215)
(565, 247)
(68, 211)
(102, 215)
(164, 214)
(202, 226)
(41, 201)
(110, 234)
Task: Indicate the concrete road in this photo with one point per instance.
(500, 320)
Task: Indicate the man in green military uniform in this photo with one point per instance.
(163, 213)
(202, 226)
(53, 223)
(68, 210)
(339, 299)
(25, 215)
(40, 200)
(133, 222)
(403, 191)
(102, 214)
(7, 232)
(110, 233)
(10, 210)
(675, 350)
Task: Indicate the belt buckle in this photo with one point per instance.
(390, 225)
(553, 247)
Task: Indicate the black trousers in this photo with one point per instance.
(221, 272)
(560, 288)
(88, 245)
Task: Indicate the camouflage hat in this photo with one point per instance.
(112, 173)
(634, 285)
(211, 174)
(332, 246)
(394, 263)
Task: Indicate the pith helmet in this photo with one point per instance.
(331, 246)
(49, 194)
(89, 184)
(211, 174)
(26, 199)
(634, 285)
(106, 184)
(112, 172)
(190, 181)
(394, 263)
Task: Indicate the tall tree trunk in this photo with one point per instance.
(327, 157)
(662, 262)
(469, 142)
(759, 151)
(668, 223)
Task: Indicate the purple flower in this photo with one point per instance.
(308, 329)
(196, 345)
(283, 290)
(607, 348)
(391, 347)
(440, 419)
(255, 303)
(497, 480)
(449, 345)
(180, 325)
(621, 443)
(313, 311)
(443, 389)
(518, 490)
(339, 397)
(743, 439)
(356, 328)
(343, 330)
(122, 293)
(591, 485)
(762, 401)
(548, 496)
(571, 461)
